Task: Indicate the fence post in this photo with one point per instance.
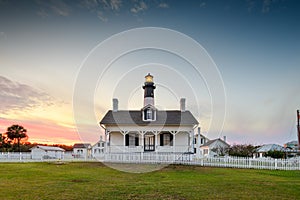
(250, 159)
(276, 163)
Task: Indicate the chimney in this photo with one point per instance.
(182, 104)
(115, 105)
(224, 138)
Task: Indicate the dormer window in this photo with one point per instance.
(149, 114)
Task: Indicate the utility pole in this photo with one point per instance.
(298, 128)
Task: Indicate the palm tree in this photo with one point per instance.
(16, 133)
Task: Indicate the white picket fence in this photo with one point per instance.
(191, 159)
(170, 158)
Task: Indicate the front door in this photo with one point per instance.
(149, 142)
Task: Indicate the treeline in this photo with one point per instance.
(26, 146)
(15, 140)
(247, 150)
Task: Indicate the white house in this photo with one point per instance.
(98, 149)
(40, 152)
(149, 129)
(199, 140)
(268, 147)
(82, 150)
(293, 145)
(214, 147)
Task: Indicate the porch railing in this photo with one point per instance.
(140, 149)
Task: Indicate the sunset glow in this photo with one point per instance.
(46, 45)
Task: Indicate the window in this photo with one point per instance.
(205, 151)
(195, 140)
(131, 139)
(166, 139)
(98, 144)
(149, 114)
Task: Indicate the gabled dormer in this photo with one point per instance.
(149, 113)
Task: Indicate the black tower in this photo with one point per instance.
(149, 90)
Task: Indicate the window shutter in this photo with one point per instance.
(145, 114)
(171, 139)
(136, 140)
(161, 139)
(127, 140)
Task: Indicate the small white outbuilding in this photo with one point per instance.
(40, 152)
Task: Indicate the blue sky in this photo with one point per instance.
(254, 44)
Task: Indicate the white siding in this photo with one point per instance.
(39, 154)
(182, 138)
(116, 139)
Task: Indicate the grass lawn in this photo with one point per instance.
(96, 181)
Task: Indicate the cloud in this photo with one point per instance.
(102, 8)
(2, 36)
(89, 4)
(202, 4)
(42, 13)
(163, 5)
(53, 7)
(250, 5)
(266, 6)
(101, 16)
(16, 96)
(115, 4)
(139, 7)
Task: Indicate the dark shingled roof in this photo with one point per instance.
(212, 141)
(130, 117)
(81, 145)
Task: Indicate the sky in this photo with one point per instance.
(61, 63)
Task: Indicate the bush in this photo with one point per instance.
(241, 150)
(275, 154)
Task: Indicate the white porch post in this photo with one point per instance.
(192, 132)
(124, 140)
(156, 145)
(174, 142)
(198, 143)
(107, 147)
(142, 144)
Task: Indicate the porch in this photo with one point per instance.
(149, 141)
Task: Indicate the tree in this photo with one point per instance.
(242, 150)
(16, 133)
(275, 154)
(221, 151)
(4, 142)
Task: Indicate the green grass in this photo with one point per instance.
(96, 181)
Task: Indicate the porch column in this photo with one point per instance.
(156, 143)
(192, 134)
(107, 139)
(142, 144)
(198, 144)
(124, 140)
(174, 140)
